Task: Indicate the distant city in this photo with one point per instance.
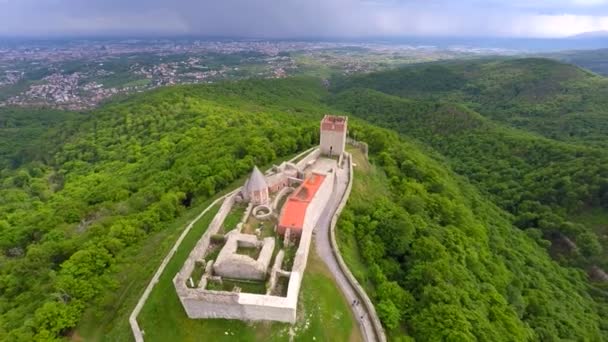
(80, 74)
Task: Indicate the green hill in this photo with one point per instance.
(556, 100)
(444, 263)
(542, 182)
(27, 134)
(448, 229)
(69, 225)
(594, 60)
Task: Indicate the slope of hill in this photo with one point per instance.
(594, 60)
(26, 134)
(68, 225)
(443, 263)
(544, 183)
(557, 100)
(439, 258)
(540, 181)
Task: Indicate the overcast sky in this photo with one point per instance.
(304, 18)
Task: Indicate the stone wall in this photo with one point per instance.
(198, 253)
(232, 265)
(332, 141)
(314, 155)
(201, 303)
(137, 333)
(362, 146)
(284, 192)
(274, 273)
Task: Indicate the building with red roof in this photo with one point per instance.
(297, 210)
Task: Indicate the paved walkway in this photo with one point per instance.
(323, 246)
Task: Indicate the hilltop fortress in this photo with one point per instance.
(250, 262)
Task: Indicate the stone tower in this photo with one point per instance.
(256, 188)
(333, 135)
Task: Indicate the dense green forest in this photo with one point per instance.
(543, 183)
(443, 263)
(594, 60)
(540, 181)
(23, 133)
(557, 100)
(68, 221)
(467, 228)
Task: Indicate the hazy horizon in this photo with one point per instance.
(298, 19)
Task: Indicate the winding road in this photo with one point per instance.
(325, 251)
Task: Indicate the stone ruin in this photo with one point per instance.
(203, 283)
(262, 263)
(231, 264)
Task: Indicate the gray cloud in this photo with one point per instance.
(304, 18)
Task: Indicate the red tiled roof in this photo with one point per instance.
(333, 123)
(294, 210)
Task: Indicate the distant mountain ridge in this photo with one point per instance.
(591, 34)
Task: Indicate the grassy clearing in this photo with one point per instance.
(257, 287)
(268, 229)
(234, 217)
(323, 315)
(197, 273)
(253, 252)
(290, 254)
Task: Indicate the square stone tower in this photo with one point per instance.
(333, 135)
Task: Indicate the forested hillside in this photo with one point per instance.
(594, 60)
(466, 225)
(69, 221)
(539, 181)
(443, 263)
(559, 101)
(28, 134)
(544, 183)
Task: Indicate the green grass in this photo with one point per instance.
(253, 252)
(234, 217)
(197, 273)
(257, 287)
(111, 324)
(267, 230)
(322, 313)
(290, 253)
